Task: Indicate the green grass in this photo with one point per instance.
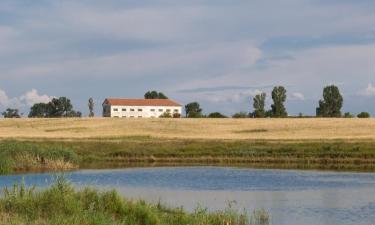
(99, 153)
(61, 204)
(22, 156)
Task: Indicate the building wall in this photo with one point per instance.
(139, 111)
(106, 111)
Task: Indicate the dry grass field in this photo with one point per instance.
(229, 129)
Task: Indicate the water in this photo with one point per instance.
(291, 197)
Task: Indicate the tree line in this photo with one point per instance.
(329, 106)
(57, 107)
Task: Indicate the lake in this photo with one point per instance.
(291, 197)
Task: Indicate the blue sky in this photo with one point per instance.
(219, 53)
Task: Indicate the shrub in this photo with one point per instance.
(240, 115)
(165, 115)
(364, 115)
(195, 115)
(216, 115)
(348, 115)
(176, 115)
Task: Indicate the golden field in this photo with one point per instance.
(231, 129)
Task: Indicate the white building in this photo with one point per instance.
(140, 108)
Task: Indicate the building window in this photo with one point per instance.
(139, 116)
(152, 110)
(124, 110)
(176, 110)
(140, 110)
(168, 110)
(132, 110)
(160, 110)
(115, 109)
(131, 116)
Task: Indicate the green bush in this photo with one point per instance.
(348, 115)
(364, 115)
(240, 115)
(216, 115)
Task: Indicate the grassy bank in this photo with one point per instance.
(147, 151)
(21, 156)
(61, 204)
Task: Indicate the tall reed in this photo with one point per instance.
(16, 156)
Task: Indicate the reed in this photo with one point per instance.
(21, 156)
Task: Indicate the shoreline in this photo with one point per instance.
(132, 152)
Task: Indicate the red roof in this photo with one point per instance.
(140, 102)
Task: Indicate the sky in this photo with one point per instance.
(220, 53)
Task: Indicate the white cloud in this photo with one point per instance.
(32, 97)
(309, 69)
(4, 99)
(297, 96)
(228, 96)
(369, 91)
(22, 102)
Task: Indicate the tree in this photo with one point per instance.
(193, 110)
(279, 97)
(364, 115)
(11, 113)
(60, 107)
(259, 104)
(91, 107)
(40, 110)
(216, 115)
(57, 107)
(331, 104)
(155, 95)
(161, 95)
(269, 113)
(151, 95)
